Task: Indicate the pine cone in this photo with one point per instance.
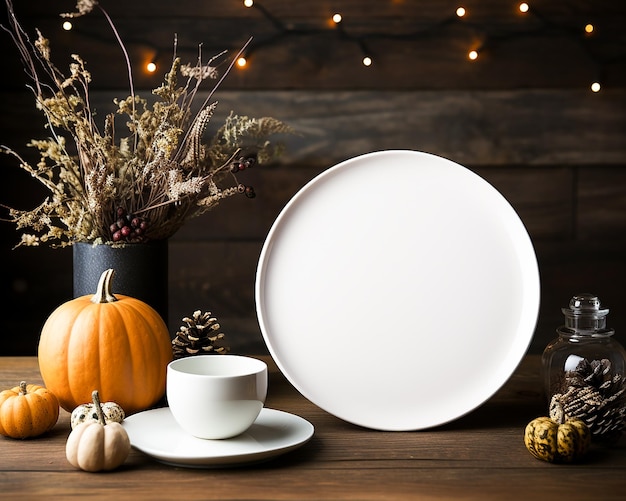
(594, 395)
(198, 337)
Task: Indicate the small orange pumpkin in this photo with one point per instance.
(119, 345)
(28, 410)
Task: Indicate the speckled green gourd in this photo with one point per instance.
(555, 442)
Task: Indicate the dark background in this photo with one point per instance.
(522, 116)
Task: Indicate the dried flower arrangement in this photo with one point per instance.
(110, 189)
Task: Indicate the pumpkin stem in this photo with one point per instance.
(96, 403)
(23, 388)
(103, 292)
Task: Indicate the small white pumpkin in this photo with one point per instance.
(86, 413)
(97, 446)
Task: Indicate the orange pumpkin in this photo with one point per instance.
(28, 410)
(119, 345)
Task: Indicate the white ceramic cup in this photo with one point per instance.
(216, 396)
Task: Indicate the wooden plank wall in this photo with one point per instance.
(522, 116)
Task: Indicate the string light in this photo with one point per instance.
(336, 22)
(282, 30)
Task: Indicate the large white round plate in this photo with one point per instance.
(397, 290)
(156, 433)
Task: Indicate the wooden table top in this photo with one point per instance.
(479, 456)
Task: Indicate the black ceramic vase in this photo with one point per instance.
(141, 271)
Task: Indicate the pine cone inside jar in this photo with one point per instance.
(198, 336)
(596, 396)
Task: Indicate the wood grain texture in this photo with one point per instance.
(499, 128)
(568, 191)
(522, 118)
(479, 456)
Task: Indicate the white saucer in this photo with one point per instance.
(156, 433)
(397, 290)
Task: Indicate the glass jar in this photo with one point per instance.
(584, 370)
